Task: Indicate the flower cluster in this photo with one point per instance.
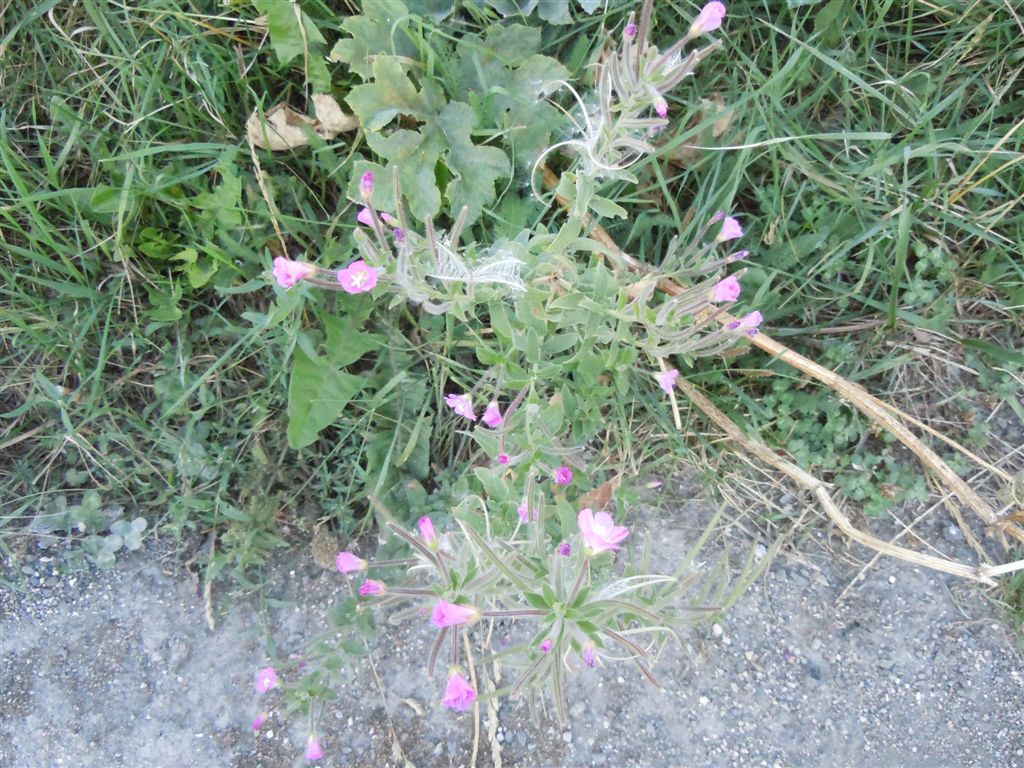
(267, 680)
(357, 277)
(617, 128)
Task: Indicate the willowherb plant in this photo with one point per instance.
(523, 546)
(629, 106)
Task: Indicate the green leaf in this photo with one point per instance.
(415, 154)
(512, 80)
(512, 7)
(436, 10)
(346, 343)
(602, 206)
(380, 31)
(390, 94)
(476, 168)
(286, 35)
(317, 395)
(555, 11)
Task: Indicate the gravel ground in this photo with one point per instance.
(911, 668)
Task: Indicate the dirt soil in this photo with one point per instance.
(910, 668)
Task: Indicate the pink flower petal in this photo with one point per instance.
(708, 20)
(458, 694)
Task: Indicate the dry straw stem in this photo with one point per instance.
(867, 404)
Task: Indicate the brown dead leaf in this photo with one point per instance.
(287, 129)
(599, 498)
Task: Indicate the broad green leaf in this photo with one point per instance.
(286, 36)
(346, 342)
(317, 395)
(391, 93)
(221, 208)
(554, 11)
(380, 31)
(415, 154)
(437, 10)
(476, 168)
(512, 7)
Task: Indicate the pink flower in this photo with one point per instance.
(459, 694)
(727, 290)
(447, 614)
(524, 513)
(588, 655)
(461, 404)
(563, 476)
(667, 380)
(661, 107)
(347, 563)
(731, 229)
(357, 277)
(365, 216)
(372, 587)
(288, 272)
(546, 646)
(565, 549)
(314, 749)
(749, 323)
(427, 532)
(630, 31)
(599, 531)
(504, 458)
(266, 679)
(261, 718)
(366, 185)
(708, 20)
(492, 415)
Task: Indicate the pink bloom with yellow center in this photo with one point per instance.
(600, 533)
(563, 476)
(314, 749)
(727, 290)
(266, 679)
(461, 404)
(347, 563)
(492, 415)
(667, 380)
(459, 694)
(708, 20)
(358, 277)
(731, 230)
(372, 587)
(447, 614)
(427, 532)
(288, 272)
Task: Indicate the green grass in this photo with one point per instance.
(141, 356)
